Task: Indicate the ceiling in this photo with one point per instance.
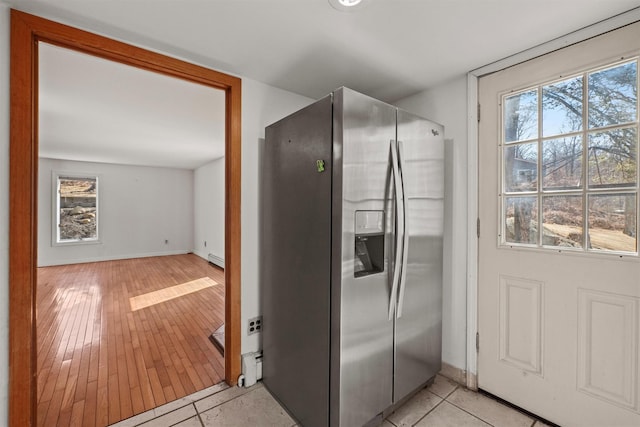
(388, 49)
(95, 110)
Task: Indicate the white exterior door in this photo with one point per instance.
(559, 310)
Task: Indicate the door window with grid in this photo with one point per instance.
(569, 162)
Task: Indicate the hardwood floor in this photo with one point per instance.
(99, 362)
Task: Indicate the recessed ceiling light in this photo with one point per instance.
(347, 5)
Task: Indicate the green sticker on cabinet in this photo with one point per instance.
(320, 165)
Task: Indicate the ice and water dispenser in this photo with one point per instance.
(369, 243)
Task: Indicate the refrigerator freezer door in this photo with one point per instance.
(419, 328)
(362, 335)
(295, 267)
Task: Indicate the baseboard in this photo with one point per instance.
(112, 258)
(455, 374)
(472, 382)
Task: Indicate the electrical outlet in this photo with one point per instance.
(255, 325)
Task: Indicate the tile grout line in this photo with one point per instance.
(161, 415)
(390, 422)
(442, 399)
(184, 406)
(215, 406)
(430, 410)
(181, 421)
(222, 403)
(198, 414)
(450, 393)
(473, 415)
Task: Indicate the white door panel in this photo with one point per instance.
(559, 328)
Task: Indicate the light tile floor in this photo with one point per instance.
(442, 404)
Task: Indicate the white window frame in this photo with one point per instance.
(584, 190)
(55, 214)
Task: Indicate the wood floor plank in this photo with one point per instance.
(53, 411)
(114, 400)
(83, 375)
(94, 353)
(42, 409)
(102, 407)
(158, 393)
(77, 414)
(64, 418)
(143, 380)
(175, 381)
(137, 402)
(100, 362)
(90, 404)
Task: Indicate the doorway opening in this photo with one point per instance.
(26, 33)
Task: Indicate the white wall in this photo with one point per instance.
(4, 213)
(139, 208)
(447, 105)
(209, 224)
(261, 106)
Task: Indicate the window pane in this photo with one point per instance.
(77, 209)
(521, 116)
(562, 221)
(612, 222)
(612, 158)
(613, 95)
(562, 163)
(562, 107)
(521, 220)
(521, 167)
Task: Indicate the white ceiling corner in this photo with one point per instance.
(389, 49)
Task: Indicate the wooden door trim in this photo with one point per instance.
(26, 31)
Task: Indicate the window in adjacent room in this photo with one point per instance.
(76, 219)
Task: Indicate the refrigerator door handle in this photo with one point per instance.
(405, 243)
(399, 196)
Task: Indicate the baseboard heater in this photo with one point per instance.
(251, 369)
(216, 260)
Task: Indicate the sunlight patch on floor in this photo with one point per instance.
(166, 294)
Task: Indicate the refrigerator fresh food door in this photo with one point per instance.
(295, 262)
(418, 325)
(362, 334)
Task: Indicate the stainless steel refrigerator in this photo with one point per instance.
(351, 258)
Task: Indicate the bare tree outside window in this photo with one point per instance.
(545, 133)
